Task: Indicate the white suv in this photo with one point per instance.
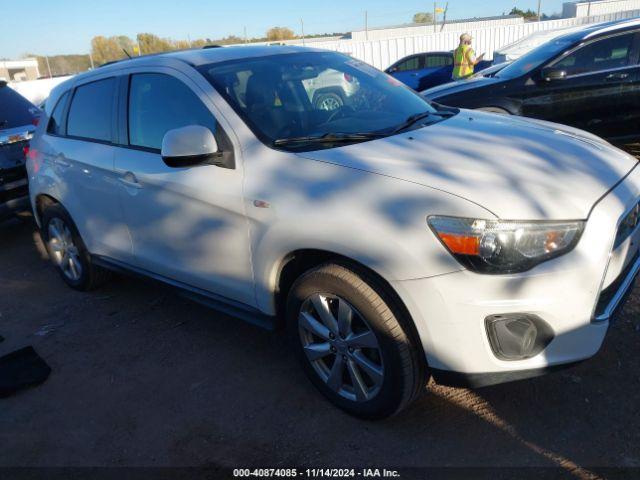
(396, 237)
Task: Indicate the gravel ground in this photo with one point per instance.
(144, 377)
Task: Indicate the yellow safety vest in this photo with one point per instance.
(462, 67)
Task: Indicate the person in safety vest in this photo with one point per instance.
(464, 58)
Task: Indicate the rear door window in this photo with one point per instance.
(437, 61)
(90, 113)
(413, 63)
(56, 120)
(15, 110)
(159, 103)
(606, 54)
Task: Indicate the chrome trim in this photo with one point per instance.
(624, 287)
(16, 134)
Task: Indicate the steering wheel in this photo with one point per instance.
(338, 111)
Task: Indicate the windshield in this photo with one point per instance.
(534, 58)
(290, 99)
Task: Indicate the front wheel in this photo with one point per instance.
(354, 344)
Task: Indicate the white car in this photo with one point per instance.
(395, 238)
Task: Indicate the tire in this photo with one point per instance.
(63, 241)
(498, 110)
(328, 101)
(390, 371)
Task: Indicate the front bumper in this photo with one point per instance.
(576, 294)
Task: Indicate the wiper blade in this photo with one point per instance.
(329, 138)
(419, 116)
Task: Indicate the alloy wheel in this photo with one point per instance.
(64, 251)
(341, 347)
(329, 103)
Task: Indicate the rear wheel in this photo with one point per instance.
(354, 344)
(67, 250)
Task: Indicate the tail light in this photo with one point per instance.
(25, 151)
(348, 77)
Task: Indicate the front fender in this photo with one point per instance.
(375, 220)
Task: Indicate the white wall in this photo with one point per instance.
(37, 90)
(382, 53)
(413, 30)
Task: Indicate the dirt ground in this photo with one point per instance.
(143, 377)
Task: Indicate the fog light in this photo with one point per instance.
(516, 336)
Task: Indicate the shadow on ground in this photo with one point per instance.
(144, 377)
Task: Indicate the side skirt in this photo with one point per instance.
(216, 302)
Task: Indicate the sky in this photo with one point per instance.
(67, 26)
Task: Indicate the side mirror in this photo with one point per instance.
(551, 74)
(188, 146)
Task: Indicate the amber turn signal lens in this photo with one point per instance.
(461, 244)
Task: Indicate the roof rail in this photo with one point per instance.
(212, 46)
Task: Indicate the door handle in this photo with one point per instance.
(130, 180)
(617, 76)
(61, 161)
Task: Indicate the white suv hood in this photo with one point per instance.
(517, 168)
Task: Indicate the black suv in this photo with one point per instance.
(589, 79)
(18, 120)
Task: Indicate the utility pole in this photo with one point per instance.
(302, 29)
(539, 4)
(366, 26)
(91, 60)
(435, 24)
(245, 35)
(444, 16)
(48, 66)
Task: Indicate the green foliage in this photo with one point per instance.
(527, 15)
(62, 64)
(423, 17)
(280, 33)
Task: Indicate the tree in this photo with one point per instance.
(105, 49)
(150, 43)
(423, 17)
(280, 33)
(527, 15)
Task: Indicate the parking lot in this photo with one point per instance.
(142, 377)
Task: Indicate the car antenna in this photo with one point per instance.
(126, 53)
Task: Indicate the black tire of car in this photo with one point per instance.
(321, 97)
(92, 276)
(404, 362)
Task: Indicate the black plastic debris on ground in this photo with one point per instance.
(21, 369)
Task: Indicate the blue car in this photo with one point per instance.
(425, 70)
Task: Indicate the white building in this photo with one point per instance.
(601, 7)
(19, 70)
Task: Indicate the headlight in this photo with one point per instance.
(497, 246)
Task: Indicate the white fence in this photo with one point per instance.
(382, 53)
(426, 29)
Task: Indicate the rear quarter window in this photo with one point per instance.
(56, 120)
